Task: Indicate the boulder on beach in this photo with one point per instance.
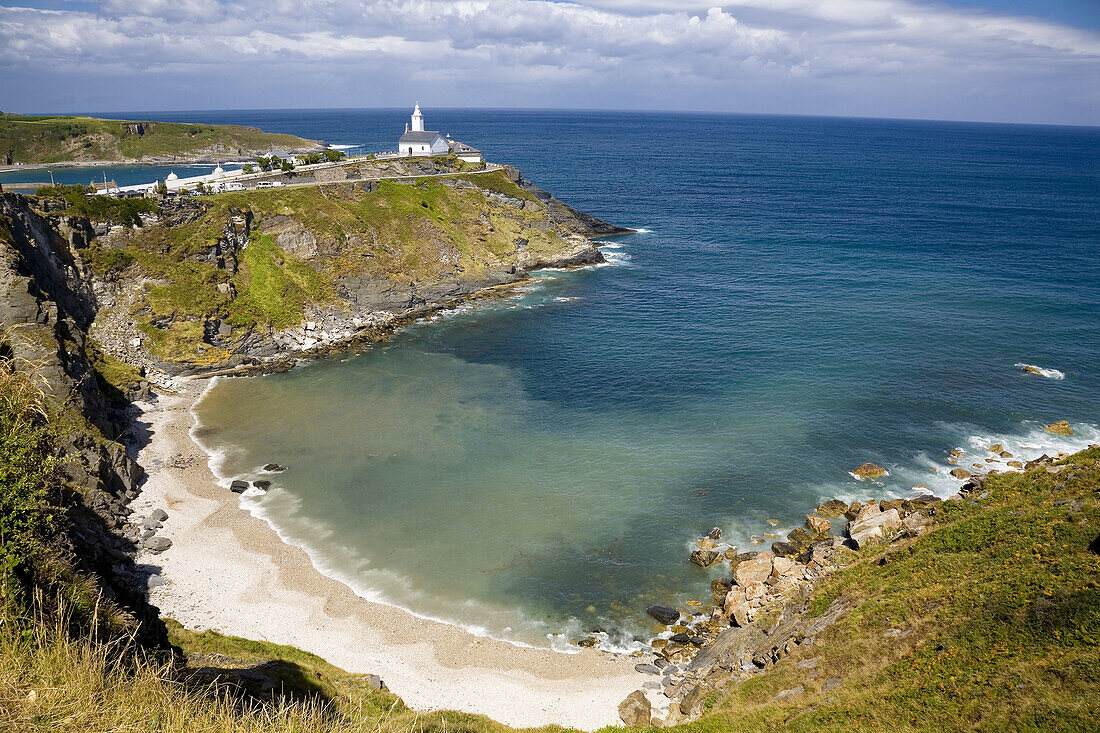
(157, 545)
(636, 711)
(869, 470)
(664, 614)
(1059, 428)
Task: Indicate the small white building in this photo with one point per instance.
(418, 141)
(464, 152)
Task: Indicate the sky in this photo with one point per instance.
(990, 60)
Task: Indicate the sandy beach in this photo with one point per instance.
(229, 571)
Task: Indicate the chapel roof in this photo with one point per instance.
(426, 136)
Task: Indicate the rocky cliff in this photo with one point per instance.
(46, 307)
(256, 278)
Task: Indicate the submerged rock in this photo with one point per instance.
(664, 614)
(705, 558)
(1059, 428)
(869, 470)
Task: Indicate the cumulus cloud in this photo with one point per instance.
(883, 57)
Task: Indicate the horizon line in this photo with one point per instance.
(597, 110)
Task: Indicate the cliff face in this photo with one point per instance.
(46, 307)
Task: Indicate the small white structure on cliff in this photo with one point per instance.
(418, 141)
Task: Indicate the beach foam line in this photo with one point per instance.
(344, 147)
(1048, 373)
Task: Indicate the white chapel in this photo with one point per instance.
(418, 141)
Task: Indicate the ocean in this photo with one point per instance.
(803, 295)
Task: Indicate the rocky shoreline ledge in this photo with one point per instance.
(761, 612)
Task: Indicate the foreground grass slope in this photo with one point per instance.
(55, 139)
(991, 622)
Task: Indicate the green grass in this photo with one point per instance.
(275, 287)
(115, 377)
(52, 139)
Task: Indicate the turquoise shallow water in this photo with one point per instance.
(806, 295)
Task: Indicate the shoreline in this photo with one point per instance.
(230, 571)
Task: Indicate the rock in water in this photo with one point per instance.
(1059, 428)
(869, 470)
(715, 534)
(664, 614)
(1033, 370)
(274, 467)
(960, 473)
(238, 487)
(262, 485)
(996, 448)
(705, 558)
(635, 710)
(832, 508)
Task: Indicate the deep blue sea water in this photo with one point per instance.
(805, 295)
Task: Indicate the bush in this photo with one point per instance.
(26, 471)
(105, 208)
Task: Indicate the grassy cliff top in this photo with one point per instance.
(59, 139)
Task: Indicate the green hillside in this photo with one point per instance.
(59, 139)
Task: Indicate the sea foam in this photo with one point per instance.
(1048, 373)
